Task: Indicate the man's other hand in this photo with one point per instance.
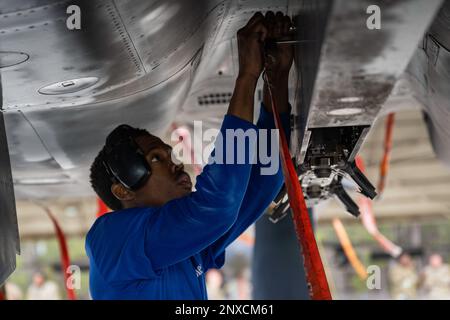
(279, 56)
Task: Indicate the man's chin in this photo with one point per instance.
(184, 191)
(187, 192)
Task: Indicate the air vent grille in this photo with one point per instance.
(214, 98)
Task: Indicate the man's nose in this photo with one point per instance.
(177, 167)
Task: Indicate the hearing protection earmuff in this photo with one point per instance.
(124, 160)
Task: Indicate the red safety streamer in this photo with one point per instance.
(184, 136)
(102, 208)
(3, 293)
(369, 222)
(65, 259)
(315, 273)
(384, 166)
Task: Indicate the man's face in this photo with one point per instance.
(167, 180)
(436, 261)
(405, 260)
(38, 279)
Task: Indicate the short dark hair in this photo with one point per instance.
(101, 181)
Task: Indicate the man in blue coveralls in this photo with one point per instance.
(162, 237)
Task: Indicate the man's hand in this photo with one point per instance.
(251, 62)
(278, 60)
(279, 57)
(250, 41)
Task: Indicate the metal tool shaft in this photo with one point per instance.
(293, 41)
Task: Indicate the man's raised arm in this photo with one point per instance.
(262, 188)
(185, 226)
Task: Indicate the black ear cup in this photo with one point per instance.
(125, 160)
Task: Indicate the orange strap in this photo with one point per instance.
(349, 251)
(315, 273)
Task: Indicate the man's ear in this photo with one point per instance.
(122, 193)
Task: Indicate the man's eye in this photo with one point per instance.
(155, 159)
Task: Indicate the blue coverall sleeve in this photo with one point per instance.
(261, 190)
(185, 226)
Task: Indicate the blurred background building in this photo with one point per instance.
(413, 212)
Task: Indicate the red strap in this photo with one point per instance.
(65, 260)
(315, 273)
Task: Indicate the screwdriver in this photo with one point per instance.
(292, 41)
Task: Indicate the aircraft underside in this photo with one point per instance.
(154, 63)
